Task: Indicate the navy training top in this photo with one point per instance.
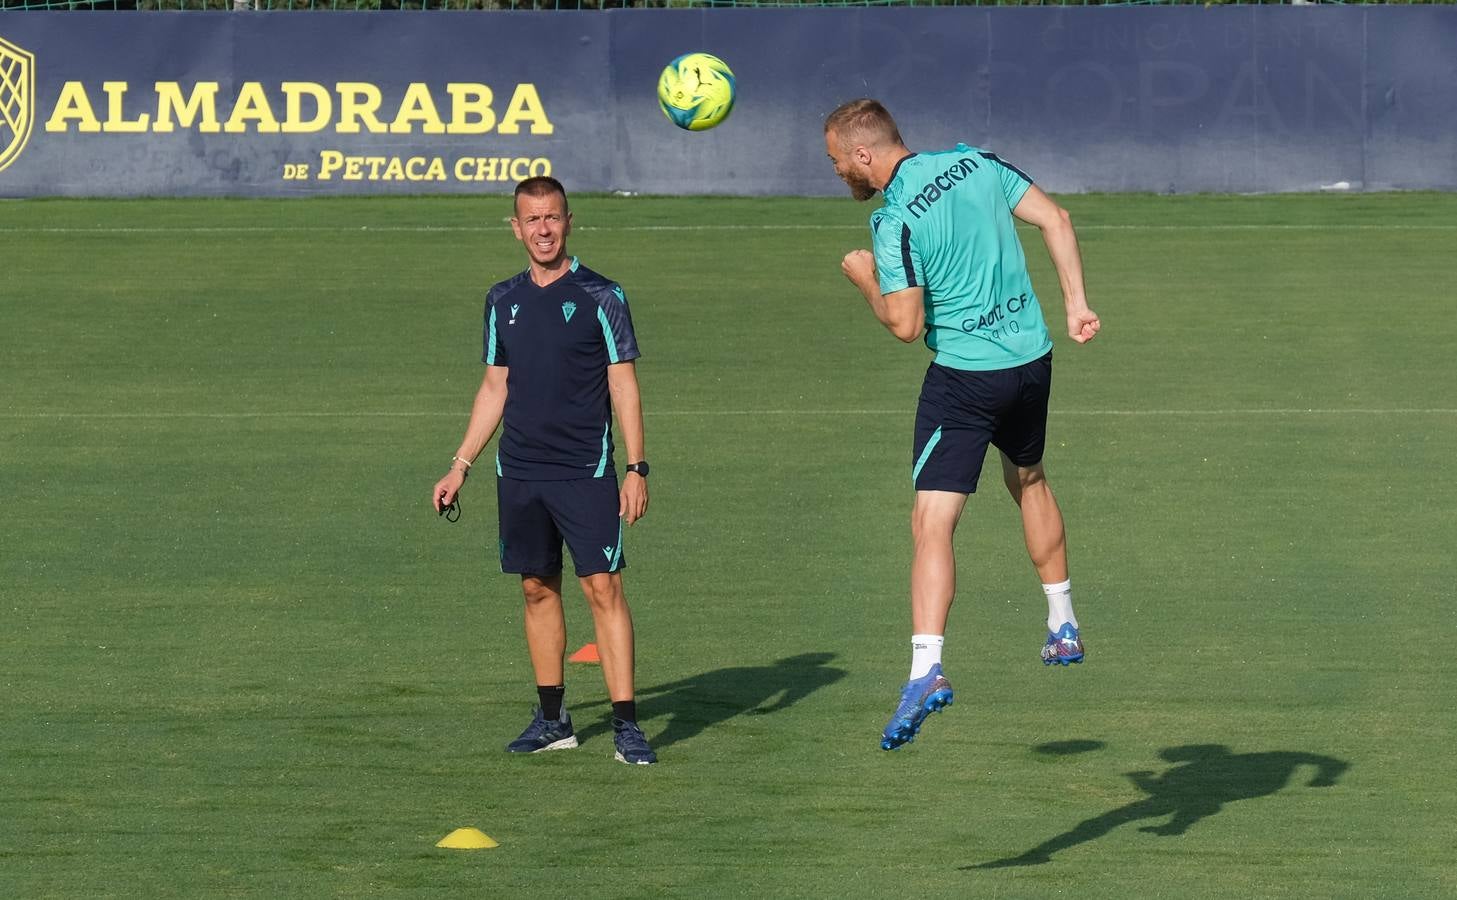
(557, 342)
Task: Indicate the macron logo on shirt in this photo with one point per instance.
(940, 185)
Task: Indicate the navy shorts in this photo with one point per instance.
(536, 516)
(961, 412)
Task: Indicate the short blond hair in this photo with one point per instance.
(863, 121)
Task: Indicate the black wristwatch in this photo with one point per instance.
(640, 468)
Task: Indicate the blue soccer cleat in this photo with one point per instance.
(1064, 647)
(545, 734)
(632, 744)
(919, 699)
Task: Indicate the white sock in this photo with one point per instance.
(1059, 605)
(925, 653)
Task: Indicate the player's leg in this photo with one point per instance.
(531, 547)
(1042, 526)
(1021, 437)
(546, 627)
(1046, 539)
(586, 512)
(613, 622)
(952, 431)
(933, 587)
(933, 567)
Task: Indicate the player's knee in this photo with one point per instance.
(928, 527)
(1013, 481)
(537, 591)
(1032, 478)
(603, 592)
(1039, 490)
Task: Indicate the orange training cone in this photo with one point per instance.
(588, 654)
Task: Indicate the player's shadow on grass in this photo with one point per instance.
(697, 702)
(1209, 777)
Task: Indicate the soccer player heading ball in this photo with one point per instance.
(947, 263)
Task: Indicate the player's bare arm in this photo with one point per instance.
(485, 416)
(901, 312)
(1036, 208)
(627, 402)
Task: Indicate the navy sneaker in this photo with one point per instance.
(545, 734)
(632, 744)
(1063, 647)
(919, 699)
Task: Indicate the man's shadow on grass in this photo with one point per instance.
(1209, 777)
(699, 701)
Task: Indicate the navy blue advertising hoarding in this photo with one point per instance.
(308, 103)
(1174, 99)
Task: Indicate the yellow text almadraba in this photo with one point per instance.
(350, 107)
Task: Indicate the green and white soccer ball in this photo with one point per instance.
(696, 91)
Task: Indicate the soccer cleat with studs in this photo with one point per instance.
(1063, 647)
(919, 698)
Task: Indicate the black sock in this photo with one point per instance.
(551, 700)
(626, 710)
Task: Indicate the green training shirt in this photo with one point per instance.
(947, 227)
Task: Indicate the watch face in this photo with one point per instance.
(640, 468)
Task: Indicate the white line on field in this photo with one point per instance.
(1348, 411)
(708, 413)
(431, 229)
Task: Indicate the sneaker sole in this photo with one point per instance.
(902, 736)
(566, 743)
(642, 762)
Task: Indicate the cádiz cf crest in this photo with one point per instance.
(17, 100)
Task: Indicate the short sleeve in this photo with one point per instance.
(1015, 182)
(897, 263)
(616, 321)
(493, 352)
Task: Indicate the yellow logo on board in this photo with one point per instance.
(17, 100)
(286, 107)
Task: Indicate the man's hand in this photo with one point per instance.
(859, 267)
(632, 499)
(902, 312)
(1082, 325)
(446, 489)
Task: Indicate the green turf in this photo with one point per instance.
(240, 656)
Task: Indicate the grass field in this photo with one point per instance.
(240, 655)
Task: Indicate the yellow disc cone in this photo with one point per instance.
(467, 839)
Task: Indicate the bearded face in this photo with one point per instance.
(860, 187)
(848, 168)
